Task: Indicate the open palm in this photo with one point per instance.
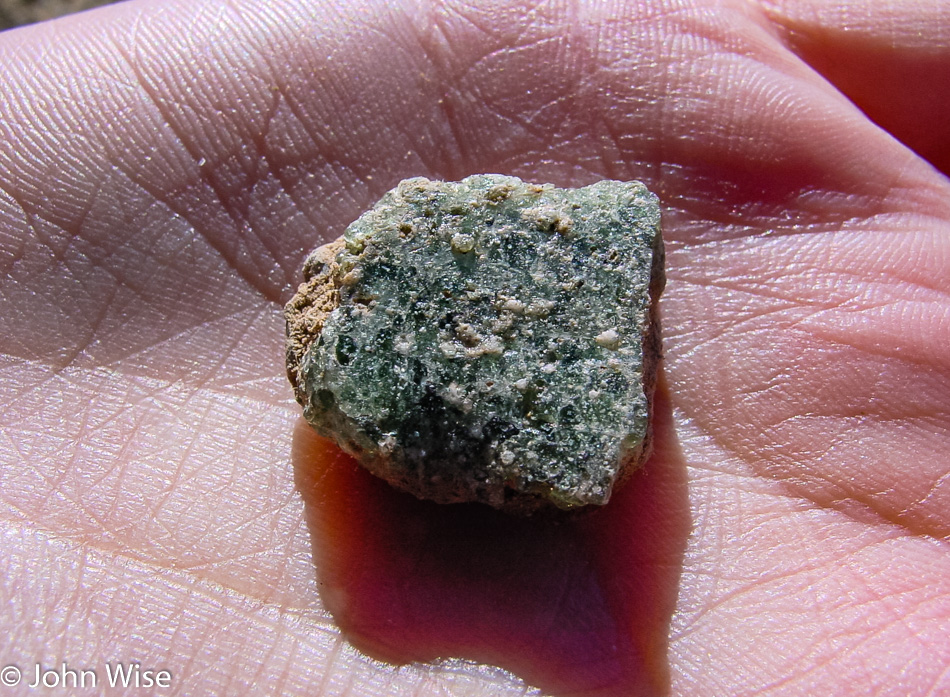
(164, 168)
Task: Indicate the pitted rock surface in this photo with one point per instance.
(487, 340)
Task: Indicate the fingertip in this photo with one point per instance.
(891, 59)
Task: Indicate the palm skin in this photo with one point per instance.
(165, 166)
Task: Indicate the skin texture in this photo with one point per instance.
(165, 166)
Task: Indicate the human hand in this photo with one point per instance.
(165, 166)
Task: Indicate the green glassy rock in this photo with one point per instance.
(487, 340)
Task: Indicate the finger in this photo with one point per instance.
(892, 59)
(836, 384)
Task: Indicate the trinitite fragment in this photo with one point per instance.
(486, 340)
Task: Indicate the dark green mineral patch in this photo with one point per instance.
(487, 340)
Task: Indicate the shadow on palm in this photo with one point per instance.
(572, 604)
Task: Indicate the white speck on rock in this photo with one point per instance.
(609, 339)
(463, 243)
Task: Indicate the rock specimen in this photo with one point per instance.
(486, 340)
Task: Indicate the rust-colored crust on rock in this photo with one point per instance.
(307, 311)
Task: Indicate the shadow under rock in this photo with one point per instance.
(572, 604)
